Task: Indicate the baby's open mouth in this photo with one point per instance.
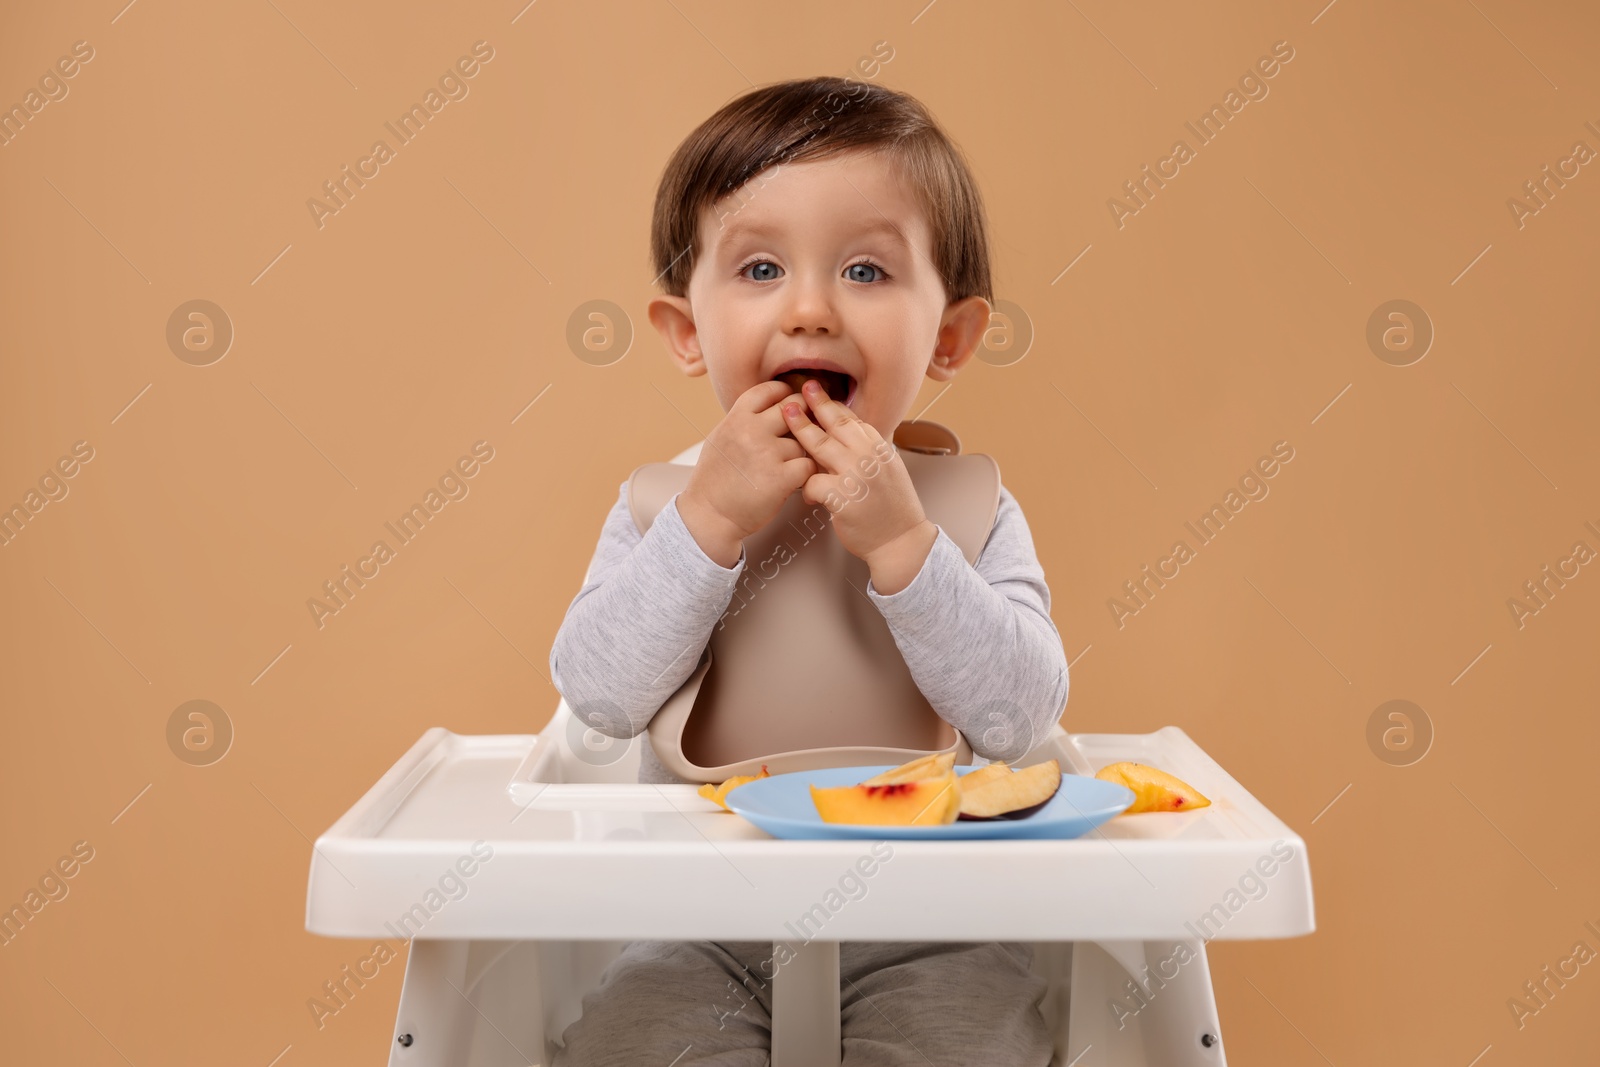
(840, 386)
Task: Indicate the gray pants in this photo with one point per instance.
(945, 1004)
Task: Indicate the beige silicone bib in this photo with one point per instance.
(802, 672)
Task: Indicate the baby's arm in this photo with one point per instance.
(635, 631)
(979, 640)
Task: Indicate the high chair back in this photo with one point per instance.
(586, 755)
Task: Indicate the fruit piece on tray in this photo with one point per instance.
(929, 801)
(983, 774)
(719, 793)
(1153, 789)
(996, 791)
(922, 767)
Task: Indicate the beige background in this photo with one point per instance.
(372, 352)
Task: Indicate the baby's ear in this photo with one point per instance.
(961, 329)
(673, 318)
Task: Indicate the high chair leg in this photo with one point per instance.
(805, 1008)
(1143, 1004)
(451, 1017)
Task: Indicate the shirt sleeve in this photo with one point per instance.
(979, 640)
(636, 628)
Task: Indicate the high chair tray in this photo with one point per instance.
(440, 848)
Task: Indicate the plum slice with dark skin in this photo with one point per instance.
(1020, 813)
(1015, 787)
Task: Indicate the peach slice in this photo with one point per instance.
(1013, 795)
(923, 802)
(929, 766)
(1153, 789)
(720, 792)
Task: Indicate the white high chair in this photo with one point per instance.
(586, 858)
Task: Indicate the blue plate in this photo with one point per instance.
(781, 805)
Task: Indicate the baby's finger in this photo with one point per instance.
(774, 419)
(834, 417)
(797, 472)
(798, 420)
(817, 441)
(762, 397)
(789, 449)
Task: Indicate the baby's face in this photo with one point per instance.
(827, 263)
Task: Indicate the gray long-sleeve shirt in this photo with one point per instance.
(978, 640)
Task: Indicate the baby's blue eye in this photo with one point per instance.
(763, 270)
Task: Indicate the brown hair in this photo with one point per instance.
(816, 118)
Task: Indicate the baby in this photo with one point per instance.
(829, 225)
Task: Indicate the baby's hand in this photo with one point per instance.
(747, 468)
(877, 514)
